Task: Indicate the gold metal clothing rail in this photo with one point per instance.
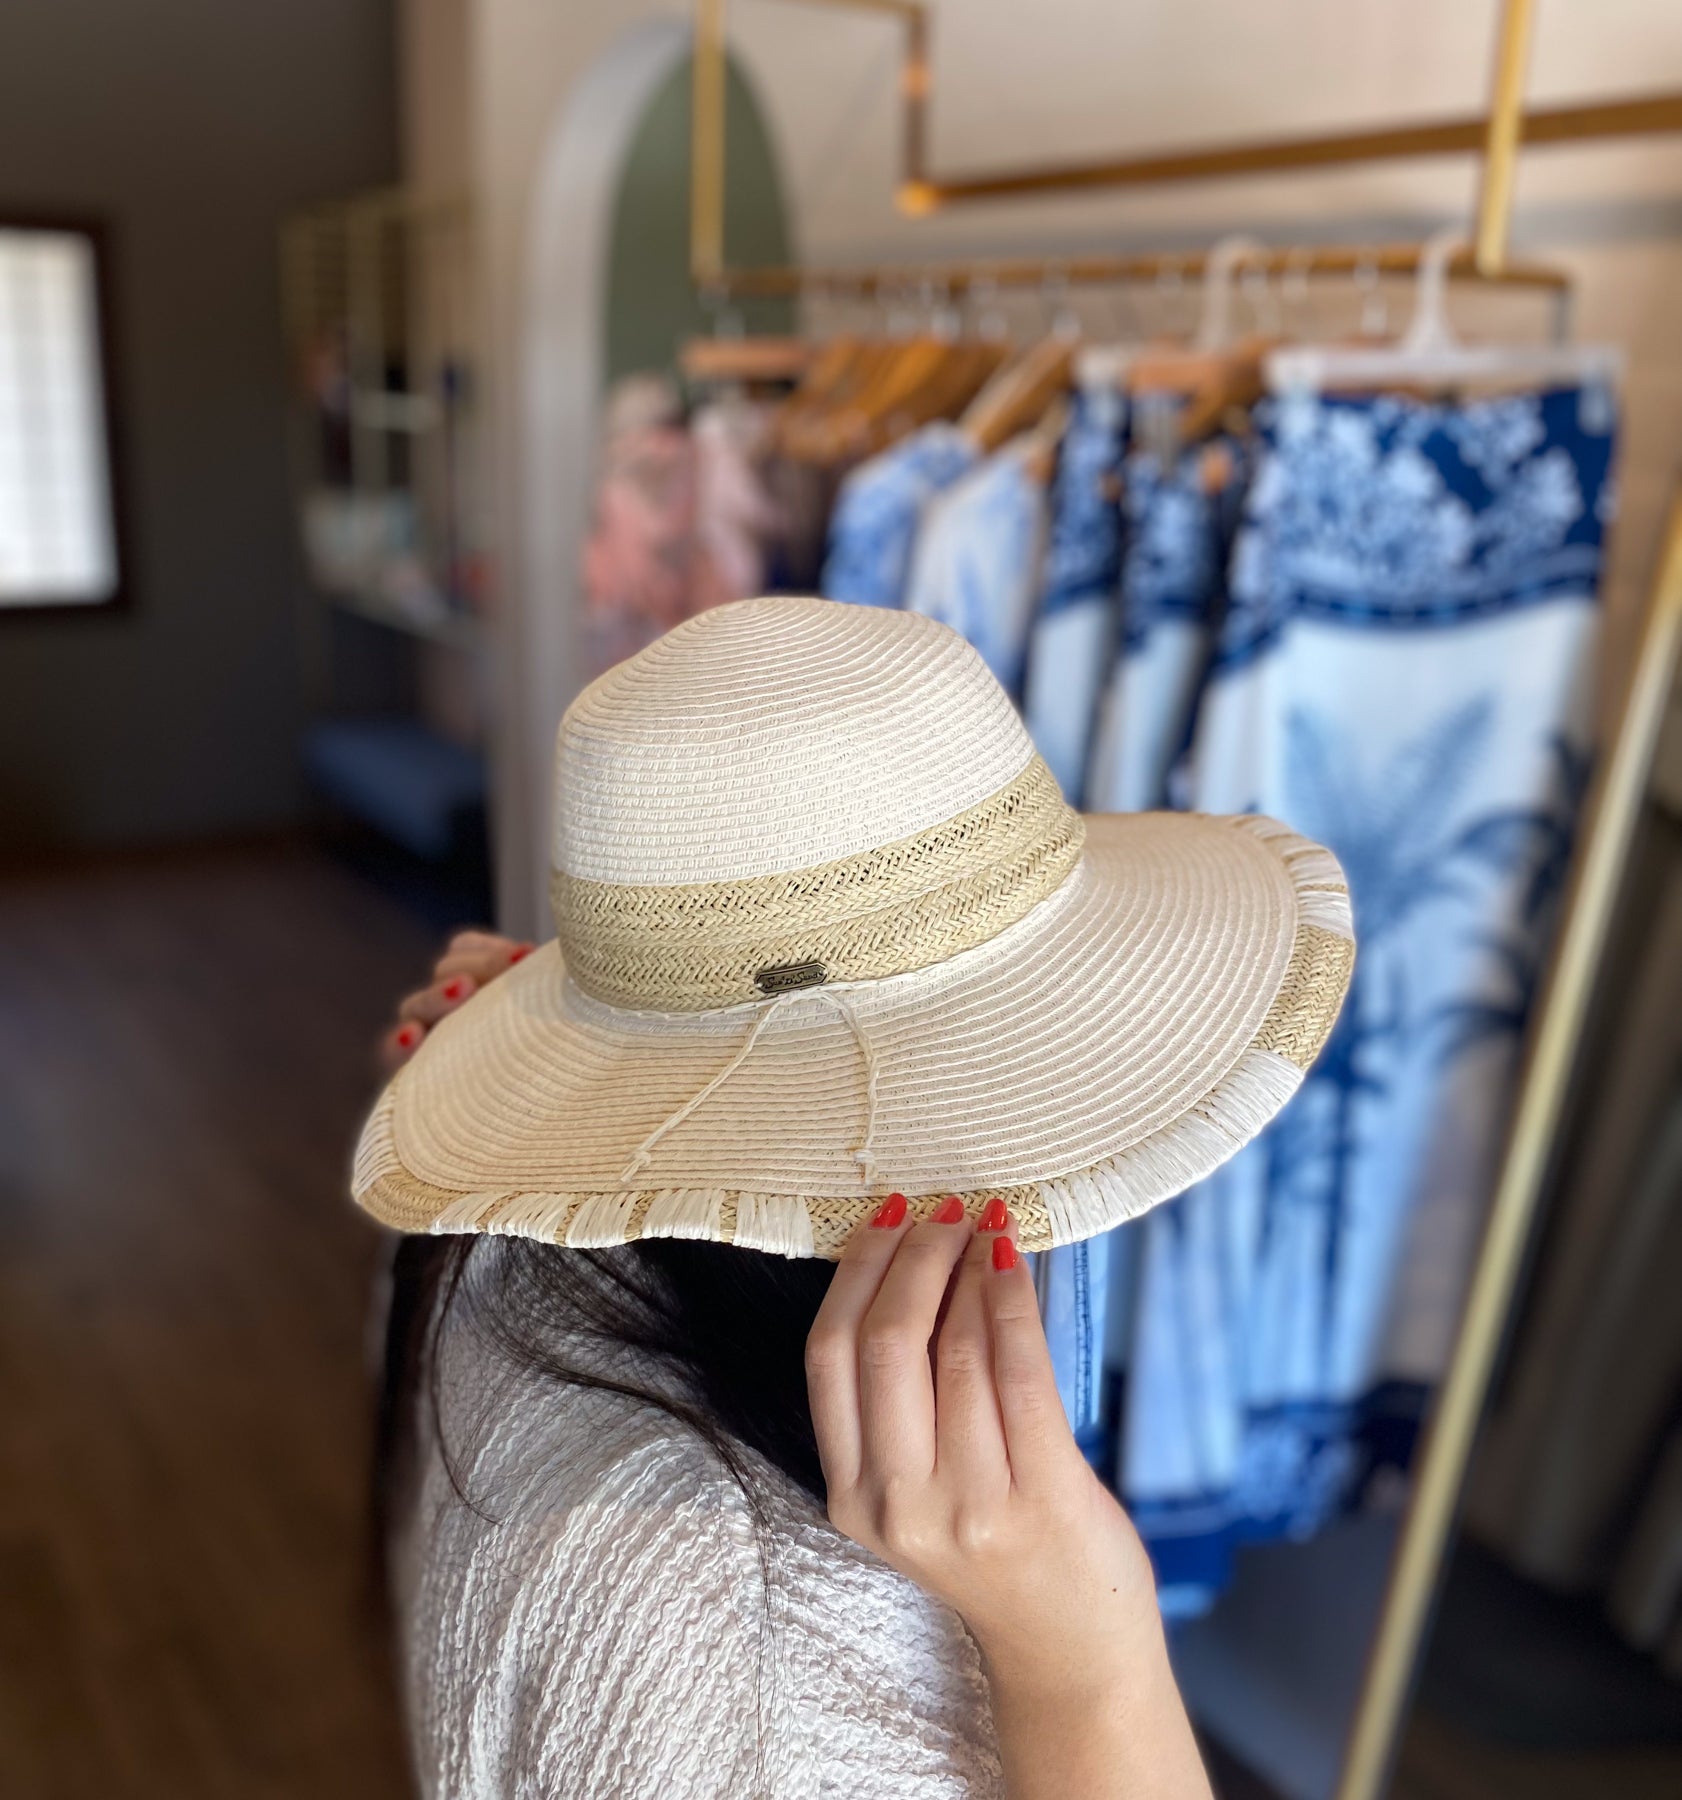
(955, 280)
(1499, 135)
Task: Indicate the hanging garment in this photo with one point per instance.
(1070, 651)
(1073, 1284)
(738, 522)
(1180, 509)
(978, 568)
(1072, 642)
(639, 560)
(879, 510)
(1175, 527)
(804, 496)
(976, 565)
(1404, 672)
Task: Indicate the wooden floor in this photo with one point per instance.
(185, 1048)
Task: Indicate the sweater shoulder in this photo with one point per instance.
(626, 1623)
(600, 1632)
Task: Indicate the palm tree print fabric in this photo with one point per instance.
(1402, 672)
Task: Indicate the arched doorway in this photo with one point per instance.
(607, 291)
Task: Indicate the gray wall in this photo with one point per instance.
(191, 126)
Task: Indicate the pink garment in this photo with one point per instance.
(683, 519)
(736, 517)
(638, 564)
(639, 557)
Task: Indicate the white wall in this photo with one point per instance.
(1086, 78)
(1080, 79)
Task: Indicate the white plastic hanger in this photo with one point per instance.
(1431, 355)
(1099, 365)
(1220, 269)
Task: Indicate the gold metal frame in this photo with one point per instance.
(1643, 116)
(1498, 135)
(954, 279)
(1549, 1065)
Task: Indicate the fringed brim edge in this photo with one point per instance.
(1059, 1210)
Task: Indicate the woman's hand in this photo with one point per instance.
(470, 961)
(946, 1452)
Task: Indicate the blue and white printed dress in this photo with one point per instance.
(879, 512)
(976, 565)
(1180, 511)
(1403, 673)
(1072, 645)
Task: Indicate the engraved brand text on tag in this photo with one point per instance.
(778, 978)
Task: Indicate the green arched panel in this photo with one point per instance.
(651, 304)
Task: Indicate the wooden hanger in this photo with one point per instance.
(950, 388)
(1045, 438)
(752, 360)
(1233, 385)
(838, 370)
(832, 382)
(929, 378)
(915, 365)
(1019, 395)
(1216, 374)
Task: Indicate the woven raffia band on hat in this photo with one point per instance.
(827, 929)
(881, 912)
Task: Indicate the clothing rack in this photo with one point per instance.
(1603, 849)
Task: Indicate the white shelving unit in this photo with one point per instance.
(384, 433)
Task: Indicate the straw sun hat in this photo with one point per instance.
(826, 930)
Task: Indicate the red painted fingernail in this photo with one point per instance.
(520, 952)
(949, 1211)
(890, 1213)
(408, 1036)
(457, 989)
(1004, 1254)
(993, 1216)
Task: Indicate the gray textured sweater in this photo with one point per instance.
(623, 1629)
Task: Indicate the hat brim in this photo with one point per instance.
(1102, 1054)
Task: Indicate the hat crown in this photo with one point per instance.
(773, 735)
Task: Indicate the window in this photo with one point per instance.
(57, 532)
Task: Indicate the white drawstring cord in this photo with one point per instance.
(865, 1154)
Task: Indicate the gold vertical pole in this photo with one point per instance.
(915, 197)
(706, 146)
(1506, 126)
(1552, 1054)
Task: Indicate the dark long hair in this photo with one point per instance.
(729, 1325)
